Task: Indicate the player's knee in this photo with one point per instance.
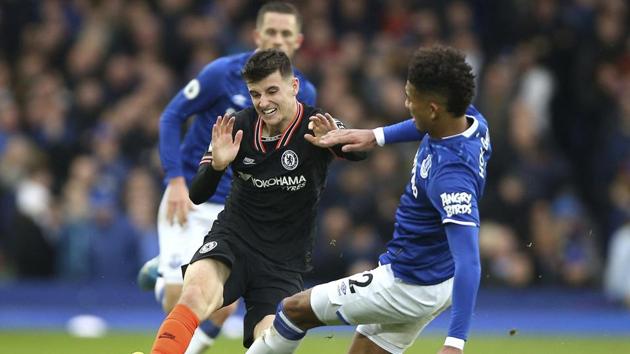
(200, 301)
(298, 309)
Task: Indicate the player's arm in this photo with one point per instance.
(197, 96)
(397, 133)
(405, 131)
(453, 192)
(221, 153)
(463, 241)
(367, 139)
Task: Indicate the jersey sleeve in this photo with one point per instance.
(452, 191)
(307, 93)
(463, 241)
(197, 96)
(397, 133)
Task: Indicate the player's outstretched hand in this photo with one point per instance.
(450, 350)
(351, 139)
(320, 124)
(224, 147)
(178, 203)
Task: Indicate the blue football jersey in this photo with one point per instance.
(447, 180)
(218, 89)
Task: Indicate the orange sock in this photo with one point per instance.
(176, 331)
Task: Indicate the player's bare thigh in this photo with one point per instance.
(203, 286)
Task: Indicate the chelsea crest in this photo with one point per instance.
(289, 160)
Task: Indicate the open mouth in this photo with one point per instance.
(269, 111)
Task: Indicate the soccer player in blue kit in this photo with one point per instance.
(218, 89)
(432, 260)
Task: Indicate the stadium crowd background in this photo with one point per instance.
(83, 83)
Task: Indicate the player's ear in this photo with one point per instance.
(257, 38)
(299, 39)
(434, 107)
(295, 85)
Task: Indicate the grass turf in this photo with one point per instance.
(44, 342)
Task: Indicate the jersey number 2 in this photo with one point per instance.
(362, 284)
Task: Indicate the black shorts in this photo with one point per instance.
(260, 282)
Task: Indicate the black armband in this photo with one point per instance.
(205, 183)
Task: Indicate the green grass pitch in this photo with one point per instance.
(42, 342)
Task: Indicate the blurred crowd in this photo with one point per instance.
(83, 83)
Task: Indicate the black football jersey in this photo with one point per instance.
(276, 189)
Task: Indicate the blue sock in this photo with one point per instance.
(210, 329)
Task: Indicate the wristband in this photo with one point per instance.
(455, 342)
(379, 134)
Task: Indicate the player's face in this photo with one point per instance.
(421, 108)
(274, 98)
(279, 31)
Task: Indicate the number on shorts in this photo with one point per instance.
(363, 284)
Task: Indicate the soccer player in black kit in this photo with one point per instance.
(260, 244)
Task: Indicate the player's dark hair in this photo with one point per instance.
(279, 7)
(443, 71)
(264, 63)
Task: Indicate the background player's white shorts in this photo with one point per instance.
(177, 243)
(390, 312)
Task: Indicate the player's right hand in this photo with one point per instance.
(178, 203)
(224, 147)
(351, 139)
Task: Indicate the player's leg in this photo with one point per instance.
(311, 308)
(416, 306)
(264, 306)
(293, 318)
(200, 220)
(202, 294)
(209, 329)
(368, 297)
(177, 245)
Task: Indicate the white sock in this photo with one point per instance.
(271, 342)
(158, 291)
(199, 342)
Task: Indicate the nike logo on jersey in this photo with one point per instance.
(249, 161)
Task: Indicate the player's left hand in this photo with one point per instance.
(450, 350)
(224, 147)
(320, 124)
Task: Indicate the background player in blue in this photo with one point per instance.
(217, 89)
(433, 257)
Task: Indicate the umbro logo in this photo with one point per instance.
(249, 161)
(166, 335)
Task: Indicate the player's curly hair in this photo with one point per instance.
(443, 71)
(264, 63)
